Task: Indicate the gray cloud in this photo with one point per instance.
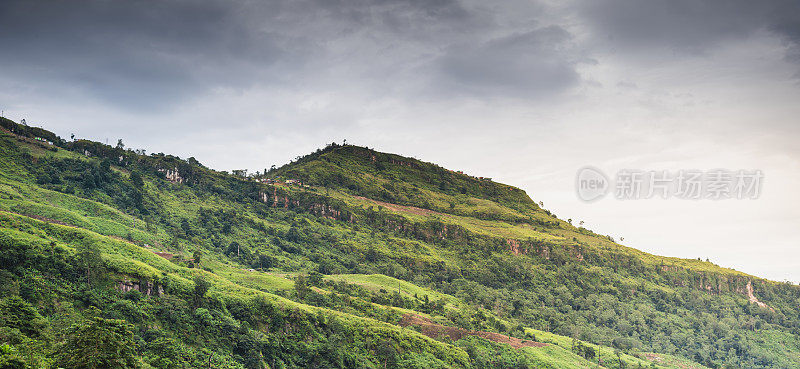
(524, 64)
(688, 26)
(138, 53)
(154, 55)
(787, 25)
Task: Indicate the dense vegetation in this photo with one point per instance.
(406, 181)
(259, 274)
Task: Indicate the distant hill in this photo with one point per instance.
(398, 179)
(347, 257)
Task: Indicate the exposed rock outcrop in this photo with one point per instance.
(752, 297)
(145, 287)
(172, 175)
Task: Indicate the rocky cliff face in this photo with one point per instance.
(148, 288)
(752, 297)
(172, 175)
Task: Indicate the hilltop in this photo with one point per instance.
(401, 180)
(347, 257)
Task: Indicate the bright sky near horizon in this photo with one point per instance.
(526, 92)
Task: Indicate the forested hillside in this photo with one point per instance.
(346, 257)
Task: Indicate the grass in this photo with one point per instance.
(130, 260)
(261, 281)
(100, 223)
(479, 226)
(564, 234)
(608, 354)
(557, 357)
(230, 282)
(375, 282)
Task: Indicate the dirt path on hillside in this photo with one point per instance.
(41, 218)
(434, 330)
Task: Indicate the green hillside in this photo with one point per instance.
(345, 258)
(406, 181)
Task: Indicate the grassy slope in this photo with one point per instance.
(406, 181)
(230, 283)
(19, 195)
(129, 259)
(512, 214)
(105, 225)
(558, 355)
(380, 281)
(529, 223)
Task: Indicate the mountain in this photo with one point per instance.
(346, 257)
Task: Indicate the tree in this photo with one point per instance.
(588, 352)
(186, 227)
(105, 166)
(99, 343)
(372, 254)
(200, 289)
(10, 359)
(136, 179)
(89, 258)
(315, 278)
(387, 352)
(18, 313)
(120, 145)
(619, 358)
(301, 286)
(233, 246)
(295, 235)
(197, 256)
(89, 181)
(265, 261)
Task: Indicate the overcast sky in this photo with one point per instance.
(526, 92)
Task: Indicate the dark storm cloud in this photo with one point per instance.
(157, 54)
(525, 64)
(136, 53)
(689, 26)
(401, 16)
(787, 25)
